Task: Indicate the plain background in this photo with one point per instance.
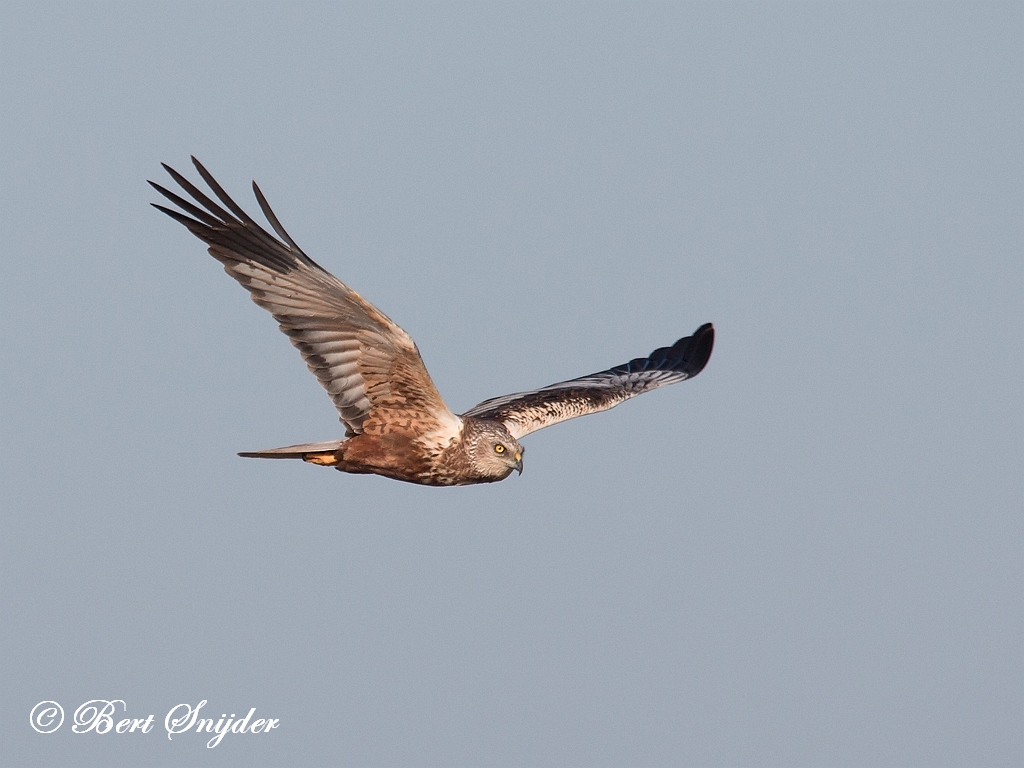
(811, 554)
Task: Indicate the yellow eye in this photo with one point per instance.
(499, 448)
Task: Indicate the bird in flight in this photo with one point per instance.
(396, 423)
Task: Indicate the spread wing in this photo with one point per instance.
(526, 412)
(369, 366)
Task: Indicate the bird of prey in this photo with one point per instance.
(396, 423)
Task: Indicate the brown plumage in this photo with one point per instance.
(396, 423)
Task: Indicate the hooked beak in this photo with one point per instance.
(519, 463)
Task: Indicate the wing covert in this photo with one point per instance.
(526, 412)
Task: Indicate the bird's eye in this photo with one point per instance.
(499, 448)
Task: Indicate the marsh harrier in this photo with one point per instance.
(396, 423)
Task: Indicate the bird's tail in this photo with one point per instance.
(318, 453)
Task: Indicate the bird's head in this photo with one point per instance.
(492, 450)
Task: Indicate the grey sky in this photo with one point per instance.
(810, 554)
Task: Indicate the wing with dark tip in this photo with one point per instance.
(526, 412)
(369, 366)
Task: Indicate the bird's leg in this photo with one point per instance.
(328, 459)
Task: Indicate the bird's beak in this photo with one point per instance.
(519, 463)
